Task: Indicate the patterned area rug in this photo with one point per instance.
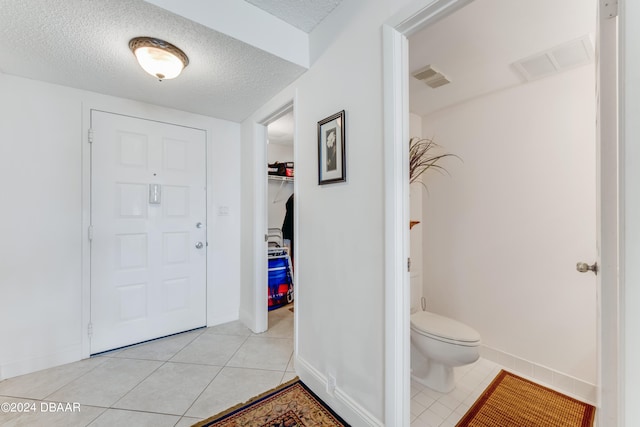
(290, 405)
(512, 401)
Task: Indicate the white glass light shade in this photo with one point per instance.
(159, 58)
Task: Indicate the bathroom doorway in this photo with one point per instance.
(519, 188)
(397, 72)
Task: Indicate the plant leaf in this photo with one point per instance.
(422, 159)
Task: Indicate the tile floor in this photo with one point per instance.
(174, 381)
(180, 380)
(432, 409)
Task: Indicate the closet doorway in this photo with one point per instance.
(276, 292)
(280, 218)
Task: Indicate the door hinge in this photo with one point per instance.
(90, 330)
(90, 232)
(608, 8)
(408, 264)
(266, 237)
(90, 136)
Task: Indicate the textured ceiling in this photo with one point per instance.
(476, 46)
(303, 14)
(84, 44)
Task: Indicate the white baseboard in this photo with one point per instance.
(221, 318)
(340, 402)
(248, 319)
(27, 366)
(563, 383)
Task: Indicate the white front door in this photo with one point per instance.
(148, 219)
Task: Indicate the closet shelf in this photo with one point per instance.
(280, 178)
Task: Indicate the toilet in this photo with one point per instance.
(438, 344)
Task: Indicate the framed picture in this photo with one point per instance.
(331, 149)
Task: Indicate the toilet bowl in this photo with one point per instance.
(438, 344)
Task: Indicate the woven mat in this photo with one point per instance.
(512, 401)
(292, 405)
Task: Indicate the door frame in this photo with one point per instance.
(629, 177)
(143, 112)
(609, 284)
(416, 16)
(261, 274)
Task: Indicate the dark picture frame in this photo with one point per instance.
(332, 165)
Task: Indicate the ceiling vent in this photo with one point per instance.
(432, 77)
(556, 60)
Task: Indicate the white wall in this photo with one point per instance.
(223, 253)
(339, 266)
(278, 191)
(40, 253)
(503, 232)
(42, 133)
(279, 153)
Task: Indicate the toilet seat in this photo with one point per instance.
(444, 329)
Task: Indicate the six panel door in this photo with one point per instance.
(148, 217)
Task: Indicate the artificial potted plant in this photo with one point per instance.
(423, 155)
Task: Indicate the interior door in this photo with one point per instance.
(148, 219)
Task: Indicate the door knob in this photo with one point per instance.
(583, 267)
(199, 245)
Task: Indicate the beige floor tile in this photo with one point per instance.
(162, 349)
(40, 384)
(107, 383)
(171, 389)
(187, 421)
(231, 328)
(210, 349)
(40, 414)
(109, 353)
(291, 365)
(288, 376)
(118, 417)
(263, 353)
(282, 312)
(279, 327)
(136, 386)
(231, 387)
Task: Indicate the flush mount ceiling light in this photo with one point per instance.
(158, 57)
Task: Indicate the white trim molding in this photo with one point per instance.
(396, 160)
(629, 176)
(258, 321)
(260, 311)
(551, 378)
(22, 367)
(339, 400)
(397, 289)
(610, 220)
